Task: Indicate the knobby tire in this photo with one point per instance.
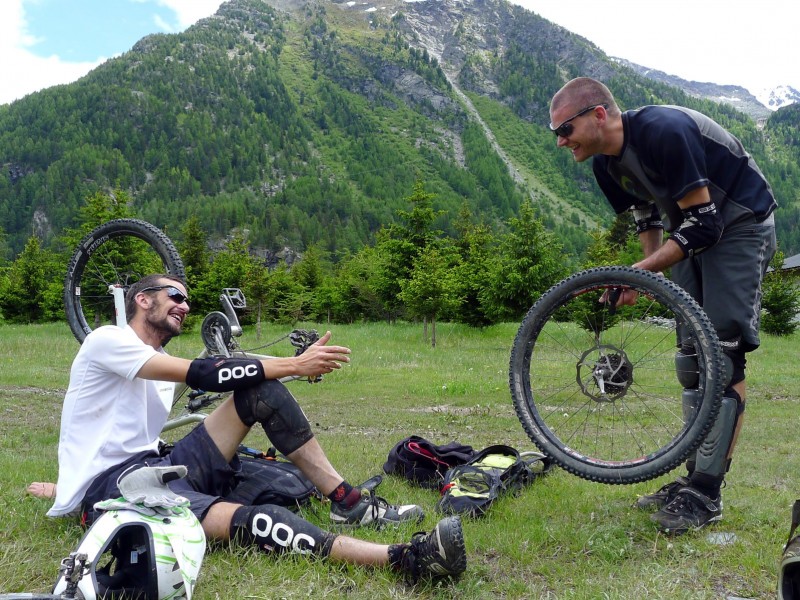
(596, 389)
(119, 252)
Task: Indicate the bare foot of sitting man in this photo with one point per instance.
(41, 489)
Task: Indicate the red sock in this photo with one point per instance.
(345, 495)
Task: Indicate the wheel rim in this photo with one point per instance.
(596, 389)
(117, 253)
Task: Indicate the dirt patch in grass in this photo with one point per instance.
(5, 390)
(448, 409)
(22, 406)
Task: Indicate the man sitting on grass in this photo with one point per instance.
(119, 398)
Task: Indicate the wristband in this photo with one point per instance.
(646, 218)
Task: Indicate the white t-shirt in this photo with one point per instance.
(109, 414)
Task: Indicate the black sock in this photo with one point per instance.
(396, 552)
(345, 495)
(707, 484)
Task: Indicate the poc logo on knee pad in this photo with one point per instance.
(268, 533)
(238, 372)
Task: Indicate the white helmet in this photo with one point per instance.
(149, 557)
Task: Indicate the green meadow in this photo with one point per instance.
(561, 538)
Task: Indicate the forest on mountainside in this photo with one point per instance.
(310, 127)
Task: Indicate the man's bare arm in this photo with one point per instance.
(318, 359)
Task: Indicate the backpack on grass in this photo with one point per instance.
(268, 480)
(470, 489)
(425, 463)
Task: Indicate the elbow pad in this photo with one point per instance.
(221, 374)
(647, 217)
(701, 228)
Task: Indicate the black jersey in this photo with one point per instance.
(669, 151)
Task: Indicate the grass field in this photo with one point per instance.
(561, 538)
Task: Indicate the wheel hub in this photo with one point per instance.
(604, 373)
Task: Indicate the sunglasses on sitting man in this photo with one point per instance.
(566, 128)
(174, 294)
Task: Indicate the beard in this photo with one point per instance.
(162, 324)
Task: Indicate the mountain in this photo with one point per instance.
(309, 123)
(778, 97)
(759, 105)
(736, 96)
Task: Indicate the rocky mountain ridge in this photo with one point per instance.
(758, 106)
(442, 26)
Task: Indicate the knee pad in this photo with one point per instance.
(712, 455)
(734, 364)
(276, 529)
(272, 405)
(686, 367)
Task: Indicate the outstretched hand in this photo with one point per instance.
(319, 358)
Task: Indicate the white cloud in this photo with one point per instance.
(164, 25)
(191, 11)
(22, 71)
(187, 12)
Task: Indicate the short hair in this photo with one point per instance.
(144, 283)
(582, 92)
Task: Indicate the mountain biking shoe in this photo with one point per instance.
(663, 496)
(374, 510)
(439, 553)
(688, 510)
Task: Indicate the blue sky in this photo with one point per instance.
(741, 42)
(50, 42)
(88, 29)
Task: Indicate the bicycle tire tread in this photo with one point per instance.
(667, 458)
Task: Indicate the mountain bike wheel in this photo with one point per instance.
(595, 387)
(117, 253)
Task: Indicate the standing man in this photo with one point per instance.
(678, 170)
(119, 398)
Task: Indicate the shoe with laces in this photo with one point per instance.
(688, 510)
(663, 496)
(438, 553)
(374, 510)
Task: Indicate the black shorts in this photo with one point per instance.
(209, 480)
(726, 281)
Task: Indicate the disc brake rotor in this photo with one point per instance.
(604, 373)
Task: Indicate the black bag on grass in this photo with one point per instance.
(423, 462)
(271, 481)
(471, 489)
